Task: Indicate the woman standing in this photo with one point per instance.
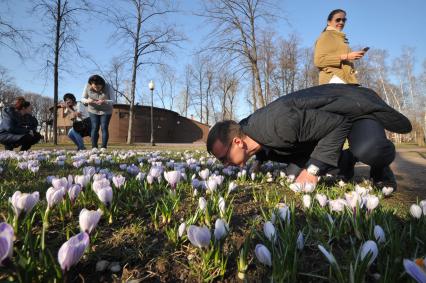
(13, 132)
(100, 98)
(333, 56)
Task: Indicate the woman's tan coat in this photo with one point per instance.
(328, 48)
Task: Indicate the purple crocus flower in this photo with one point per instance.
(415, 271)
(199, 236)
(6, 241)
(82, 180)
(72, 250)
(23, 202)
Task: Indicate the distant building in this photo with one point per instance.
(169, 126)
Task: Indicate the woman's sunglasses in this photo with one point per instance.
(338, 20)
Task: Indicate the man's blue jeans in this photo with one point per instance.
(76, 138)
(99, 121)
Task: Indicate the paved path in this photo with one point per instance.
(409, 168)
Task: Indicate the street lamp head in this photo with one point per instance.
(151, 85)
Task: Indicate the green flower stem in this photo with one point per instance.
(45, 226)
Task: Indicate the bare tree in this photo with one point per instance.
(267, 64)
(234, 35)
(12, 37)
(288, 63)
(142, 23)
(227, 84)
(308, 72)
(60, 18)
(167, 79)
(115, 78)
(185, 94)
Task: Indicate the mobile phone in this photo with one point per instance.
(365, 49)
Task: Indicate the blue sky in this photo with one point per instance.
(380, 24)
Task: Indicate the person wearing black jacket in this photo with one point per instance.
(309, 127)
(14, 128)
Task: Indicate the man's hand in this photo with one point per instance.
(304, 177)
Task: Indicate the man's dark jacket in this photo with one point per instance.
(11, 129)
(315, 122)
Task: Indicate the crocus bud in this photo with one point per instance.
(222, 206)
(58, 183)
(307, 201)
(202, 203)
(73, 192)
(269, 231)
(379, 234)
(416, 211)
(263, 254)
(283, 212)
(6, 241)
(199, 236)
(232, 186)
(330, 257)
(54, 196)
(89, 219)
(181, 229)
(369, 247)
(82, 180)
(220, 229)
(300, 243)
(23, 202)
(72, 250)
(105, 195)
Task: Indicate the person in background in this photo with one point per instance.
(308, 128)
(100, 97)
(332, 55)
(77, 113)
(13, 129)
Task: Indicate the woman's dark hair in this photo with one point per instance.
(20, 103)
(331, 15)
(97, 80)
(70, 96)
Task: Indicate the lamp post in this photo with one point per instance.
(1, 109)
(151, 87)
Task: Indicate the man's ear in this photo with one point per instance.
(238, 142)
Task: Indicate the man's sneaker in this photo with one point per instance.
(383, 177)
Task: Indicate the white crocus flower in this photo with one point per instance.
(337, 205)
(387, 191)
(202, 204)
(222, 206)
(89, 219)
(54, 196)
(372, 202)
(322, 199)
(416, 211)
(307, 200)
(181, 229)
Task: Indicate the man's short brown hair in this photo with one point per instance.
(224, 131)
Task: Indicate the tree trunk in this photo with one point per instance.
(56, 74)
(130, 137)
